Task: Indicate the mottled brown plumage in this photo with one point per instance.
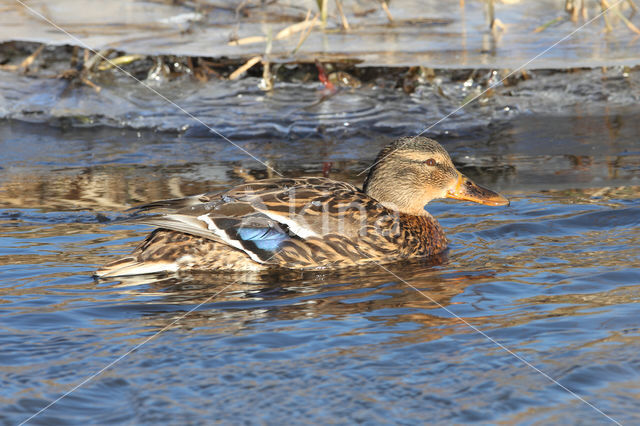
(308, 222)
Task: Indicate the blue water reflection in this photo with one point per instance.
(554, 278)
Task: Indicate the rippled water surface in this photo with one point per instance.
(544, 290)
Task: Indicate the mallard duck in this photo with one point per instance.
(308, 223)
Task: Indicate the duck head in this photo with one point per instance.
(411, 171)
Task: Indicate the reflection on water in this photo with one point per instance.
(554, 277)
(106, 170)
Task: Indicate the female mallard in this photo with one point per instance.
(309, 222)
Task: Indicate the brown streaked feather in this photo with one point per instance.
(167, 251)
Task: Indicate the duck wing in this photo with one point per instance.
(260, 217)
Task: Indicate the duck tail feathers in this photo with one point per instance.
(133, 266)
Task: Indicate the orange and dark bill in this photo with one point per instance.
(466, 190)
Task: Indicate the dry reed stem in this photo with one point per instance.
(120, 60)
(385, 7)
(305, 34)
(243, 68)
(26, 62)
(324, 12)
(282, 34)
(96, 59)
(343, 18)
(29, 59)
(626, 21)
(607, 25)
(267, 79)
(548, 24)
(292, 29)
(248, 40)
(91, 84)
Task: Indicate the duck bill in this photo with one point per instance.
(467, 190)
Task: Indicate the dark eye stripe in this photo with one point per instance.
(427, 162)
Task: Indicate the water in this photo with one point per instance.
(298, 109)
(554, 278)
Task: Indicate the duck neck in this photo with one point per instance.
(415, 209)
(397, 197)
(394, 188)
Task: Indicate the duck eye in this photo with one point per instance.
(430, 162)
